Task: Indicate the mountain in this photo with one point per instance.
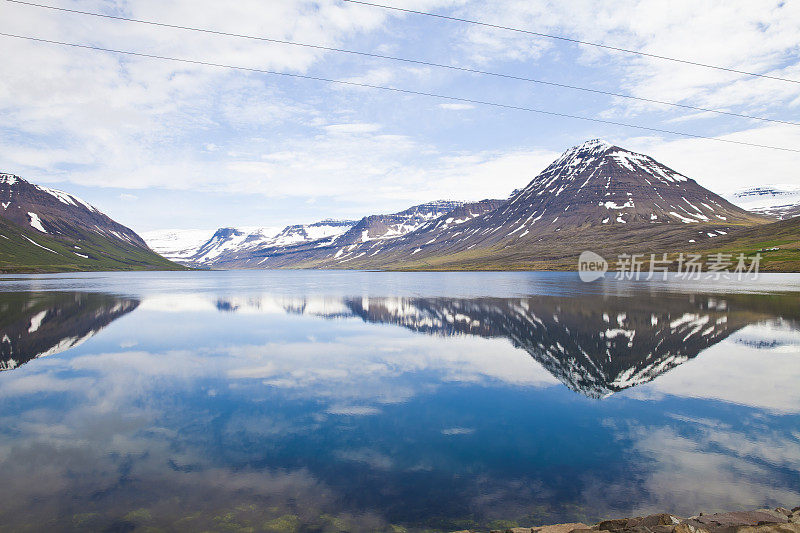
(372, 234)
(231, 241)
(302, 233)
(56, 213)
(316, 240)
(379, 227)
(176, 244)
(46, 323)
(597, 183)
(226, 239)
(43, 229)
(595, 195)
(774, 202)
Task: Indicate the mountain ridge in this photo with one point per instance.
(233, 246)
(46, 230)
(594, 196)
(594, 193)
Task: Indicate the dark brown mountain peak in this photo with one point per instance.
(57, 213)
(599, 183)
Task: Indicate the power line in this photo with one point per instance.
(407, 60)
(398, 90)
(571, 40)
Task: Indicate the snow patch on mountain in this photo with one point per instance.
(302, 233)
(36, 222)
(39, 245)
(66, 198)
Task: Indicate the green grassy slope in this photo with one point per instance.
(18, 254)
(784, 235)
(561, 251)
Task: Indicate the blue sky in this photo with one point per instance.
(159, 145)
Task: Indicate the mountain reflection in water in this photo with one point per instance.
(223, 409)
(594, 345)
(39, 324)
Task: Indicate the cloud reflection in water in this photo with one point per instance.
(417, 411)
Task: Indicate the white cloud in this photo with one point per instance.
(347, 158)
(352, 410)
(723, 167)
(103, 120)
(714, 470)
(119, 117)
(352, 128)
(717, 373)
(756, 37)
(456, 107)
(376, 76)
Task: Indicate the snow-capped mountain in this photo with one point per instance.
(379, 227)
(176, 244)
(53, 212)
(596, 191)
(233, 249)
(47, 229)
(303, 233)
(598, 183)
(227, 242)
(780, 202)
(426, 234)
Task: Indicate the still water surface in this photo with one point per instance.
(358, 401)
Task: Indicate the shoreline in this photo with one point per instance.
(778, 520)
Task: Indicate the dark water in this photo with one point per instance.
(350, 401)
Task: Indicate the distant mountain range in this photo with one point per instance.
(228, 241)
(595, 195)
(245, 248)
(776, 202)
(176, 244)
(43, 229)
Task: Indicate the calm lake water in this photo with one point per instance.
(358, 401)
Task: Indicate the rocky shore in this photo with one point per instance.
(779, 520)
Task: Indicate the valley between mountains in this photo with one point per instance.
(595, 196)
